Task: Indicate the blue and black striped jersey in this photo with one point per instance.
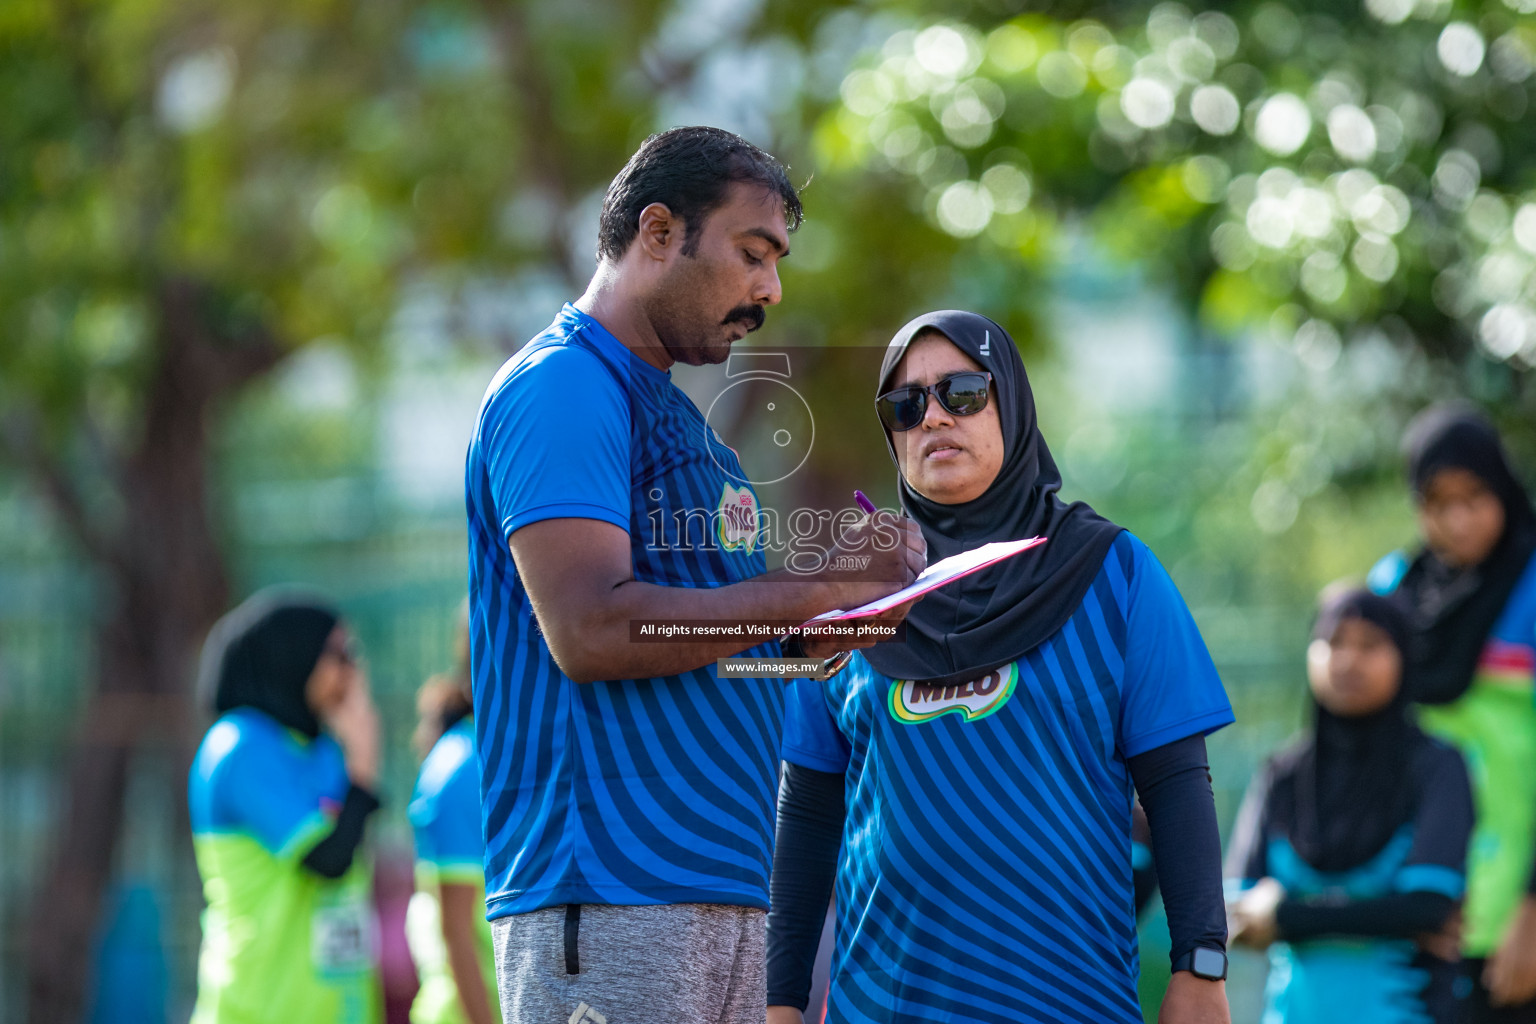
(986, 870)
(632, 791)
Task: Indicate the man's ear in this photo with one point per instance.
(661, 232)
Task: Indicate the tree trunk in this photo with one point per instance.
(165, 583)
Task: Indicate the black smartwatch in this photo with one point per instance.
(794, 647)
(1210, 964)
(835, 664)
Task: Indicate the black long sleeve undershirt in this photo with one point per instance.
(1173, 782)
(810, 832)
(332, 856)
(1399, 915)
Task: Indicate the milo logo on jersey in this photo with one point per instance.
(914, 702)
(736, 519)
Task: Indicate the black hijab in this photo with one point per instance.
(1455, 608)
(1343, 790)
(261, 655)
(995, 616)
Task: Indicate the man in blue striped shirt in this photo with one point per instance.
(627, 792)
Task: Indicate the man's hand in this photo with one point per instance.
(1511, 972)
(785, 1015)
(1192, 1000)
(826, 647)
(579, 574)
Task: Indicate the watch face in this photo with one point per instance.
(1208, 963)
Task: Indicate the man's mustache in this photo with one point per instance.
(751, 315)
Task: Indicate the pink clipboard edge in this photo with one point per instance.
(838, 615)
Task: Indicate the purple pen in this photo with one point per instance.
(864, 502)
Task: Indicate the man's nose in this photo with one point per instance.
(768, 290)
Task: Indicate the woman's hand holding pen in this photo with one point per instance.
(877, 556)
(864, 566)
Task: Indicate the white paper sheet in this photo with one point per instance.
(938, 574)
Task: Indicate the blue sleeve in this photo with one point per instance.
(555, 439)
(445, 815)
(260, 788)
(1170, 688)
(1437, 861)
(811, 736)
(1386, 574)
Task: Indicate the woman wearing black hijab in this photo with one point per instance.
(1470, 594)
(279, 793)
(978, 776)
(1351, 845)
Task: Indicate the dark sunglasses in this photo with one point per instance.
(963, 394)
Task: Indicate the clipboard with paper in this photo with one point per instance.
(939, 574)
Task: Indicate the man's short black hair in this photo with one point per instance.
(689, 170)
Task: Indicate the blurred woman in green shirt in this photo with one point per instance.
(1471, 595)
(280, 791)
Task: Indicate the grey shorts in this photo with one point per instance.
(681, 963)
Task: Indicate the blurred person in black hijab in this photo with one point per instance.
(1357, 832)
(280, 791)
(1470, 593)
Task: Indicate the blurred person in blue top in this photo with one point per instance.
(969, 791)
(1470, 593)
(1350, 849)
(1143, 869)
(627, 791)
(449, 936)
(280, 791)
